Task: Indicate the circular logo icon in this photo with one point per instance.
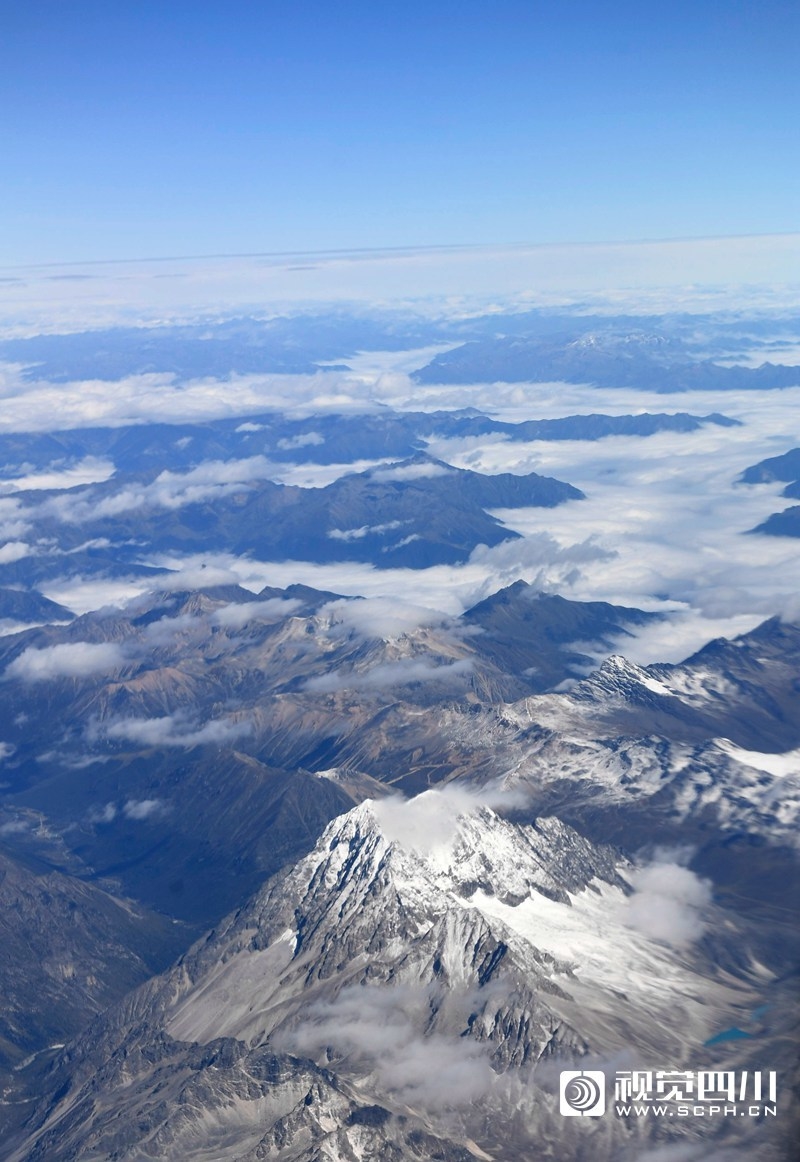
(582, 1093)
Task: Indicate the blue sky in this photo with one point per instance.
(135, 130)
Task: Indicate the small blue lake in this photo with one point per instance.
(733, 1034)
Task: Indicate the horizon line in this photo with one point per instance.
(363, 251)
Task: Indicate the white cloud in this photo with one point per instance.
(444, 590)
(374, 1027)
(319, 475)
(426, 822)
(14, 551)
(90, 470)
(140, 809)
(779, 765)
(40, 406)
(13, 523)
(85, 594)
(304, 440)
(705, 273)
(169, 490)
(196, 576)
(364, 531)
(401, 544)
(663, 527)
(14, 827)
(669, 513)
(238, 614)
(429, 821)
(167, 630)
(66, 660)
(6, 750)
(423, 471)
(403, 672)
(171, 730)
(378, 617)
(668, 903)
(105, 814)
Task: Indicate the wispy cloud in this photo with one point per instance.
(378, 617)
(374, 1028)
(141, 809)
(171, 730)
(239, 614)
(170, 490)
(304, 440)
(365, 531)
(137, 810)
(89, 470)
(67, 660)
(423, 471)
(403, 672)
(15, 551)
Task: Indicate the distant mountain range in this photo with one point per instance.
(320, 439)
(671, 352)
(650, 361)
(237, 346)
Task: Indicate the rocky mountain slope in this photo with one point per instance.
(398, 986)
(486, 949)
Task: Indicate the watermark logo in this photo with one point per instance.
(583, 1093)
(671, 1093)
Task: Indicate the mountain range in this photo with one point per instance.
(490, 929)
(289, 873)
(651, 361)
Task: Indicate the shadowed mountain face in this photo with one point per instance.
(539, 635)
(786, 467)
(19, 605)
(782, 524)
(69, 950)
